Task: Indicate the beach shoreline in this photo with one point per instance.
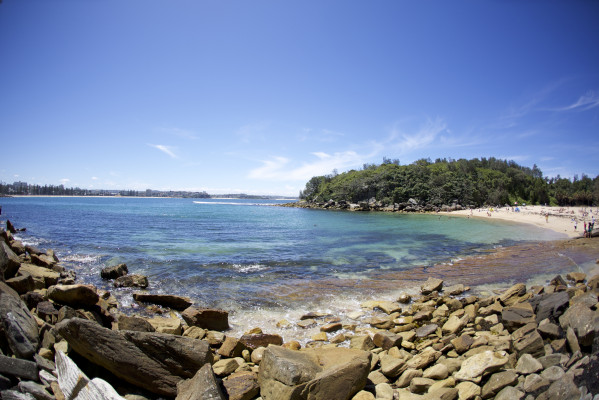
(558, 219)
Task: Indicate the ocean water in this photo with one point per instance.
(260, 262)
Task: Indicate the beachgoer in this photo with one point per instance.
(575, 224)
(547, 217)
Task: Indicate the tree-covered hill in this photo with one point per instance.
(470, 183)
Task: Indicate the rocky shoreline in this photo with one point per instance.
(63, 340)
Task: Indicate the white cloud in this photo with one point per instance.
(585, 102)
(165, 149)
(250, 132)
(94, 178)
(183, 133)
(64, 181)
(425, 136)
(278, 168)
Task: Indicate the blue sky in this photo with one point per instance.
(259, 96)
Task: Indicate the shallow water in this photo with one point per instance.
(261, 262)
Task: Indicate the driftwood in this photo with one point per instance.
(76, 386)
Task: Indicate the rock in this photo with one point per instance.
(232, 347)
(17, 323)
(474, 367)
(15, 395)
(133, 280)
(572, 340)
(498, 381)
(242, 386)
(527, 364)
(462, 343)
(260, 340)
(549, 330)
(194, 332)
(535, 384)
(426, 330)
(9, 262)
(171, 326)
(386, 340)
(114, 271)
(511, 296)
(361, 343)
(207, 318)
(509, 393)
(18, 368)
(468, 390)
(455, 290)
(178, 303)
(226, 366)
(576, 276)
(454, 324)
(202, 386)
(318, 374)
(423, 359)
(35, 389)
(74, 295)
(43, 260)
(583, 321)
(391, 366)
(404, 298)
(332, 327)
(563, 389)
(21, 283)
(41, 274)
(420, 385)
(550, 305)
(407, 376)
(138, 324)
(528, 340)
(431, 285)
(363, 395)
(47, 312)
(518, 315)
(437, 372)
(138, 357)
(553, 373)
(74, 384)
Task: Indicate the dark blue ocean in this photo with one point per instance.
(248, 256)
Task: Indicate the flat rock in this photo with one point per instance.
(518, 315)
(207, 318)
(138, 357)
(527, 364)
(577, 277)
(318, 374)
(474, 367)
(132, 323)
(468, 390)
(178, 303)
(22, 283)
(528, 340)
(431, 285)
(18, 324)
(202, 386)
(426, 330)
(550, 305)
(45, 275)
(511, 295)
(75, 296)
(114, 271)
(387, 340)
(18, 368)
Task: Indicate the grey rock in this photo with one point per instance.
(474, 367)
(509, 393)
(563, 389)
(19, 368)
(114, 271)
(203, 386)
(535, 383)
(18, 324)
(426, 330)
(518, 315)
(407, 376)
(528, 340)
(9, 261)
(553, 373)
(498, 381)
(527, 364)
(132, 323)
(550, 305)
(178, 303)
(153, 361)
(431, 285)
(36, 390)
(583, 321)
(15, 395)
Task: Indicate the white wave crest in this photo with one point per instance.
(249, 268)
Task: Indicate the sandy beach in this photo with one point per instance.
(567, 220)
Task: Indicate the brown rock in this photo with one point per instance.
(232, 347)
(153, 361)
(242, 386)
(202, 386)
(333, 327)
(528, 340)
(431, 285)
(387, 340)
(74, 295)
(114, 271)
(138, 324)
(9, 261)
(206, 318)
(512, 295)
(260, 340)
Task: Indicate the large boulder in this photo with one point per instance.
(9, 262)
(318, 374)
(74, 295)
(114, 271)
(473, 368)
(253, 341)
(45, 276)
(153, 361)
(431, 285)
(550, 305)
(178, 303)
(207, 318)
(583, 321)
(18, 324)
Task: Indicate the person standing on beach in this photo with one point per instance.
(547, 217)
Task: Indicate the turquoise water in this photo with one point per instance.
(248, 255)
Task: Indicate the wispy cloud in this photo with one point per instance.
(64, 181)
(165, 149)
(251, 132)
(280, 168)
(404, 142)
(585, 102)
